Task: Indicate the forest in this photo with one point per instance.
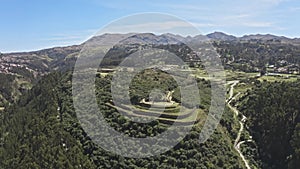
(36, 134)
(274, 121)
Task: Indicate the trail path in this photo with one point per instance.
(237, 142)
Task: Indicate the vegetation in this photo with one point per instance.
(12, 87)
(252, 56)
(274, 119)
(36, 134)
(39, 127)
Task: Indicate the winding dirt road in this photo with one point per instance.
(237, 142)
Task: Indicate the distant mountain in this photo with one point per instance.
(38, 62)
(108, 38)
(221, 36)
(43, 61)
(150, 38)
(178, 37)
(266, 37)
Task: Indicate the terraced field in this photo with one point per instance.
(166, 112)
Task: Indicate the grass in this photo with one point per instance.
(242, 88)
(281, 78)
(238, 75)
(187, 118)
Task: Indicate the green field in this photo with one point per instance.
(280, 77)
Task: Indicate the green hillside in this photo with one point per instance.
(36, 134)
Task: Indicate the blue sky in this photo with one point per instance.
(35, 24)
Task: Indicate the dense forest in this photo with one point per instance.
(274, 121)
(41, 131)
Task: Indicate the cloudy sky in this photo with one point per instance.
(36, 24)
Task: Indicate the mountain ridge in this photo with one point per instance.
(215, 36)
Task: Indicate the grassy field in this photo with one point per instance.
(237, 75)
(280, 77)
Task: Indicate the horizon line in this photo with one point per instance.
(86, 39)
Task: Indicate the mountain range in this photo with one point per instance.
(174, 38)
(43, 61)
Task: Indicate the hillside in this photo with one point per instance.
(43, 128)
(20, 71)
(274, 121)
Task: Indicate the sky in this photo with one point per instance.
(28, 25)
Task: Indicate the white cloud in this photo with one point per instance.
(186, 7)
(71, 37)
(203, 25)
(273, 2)
(158, 27)
(238, 16)
(295, 9)
(258, 24)
(64, 38)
